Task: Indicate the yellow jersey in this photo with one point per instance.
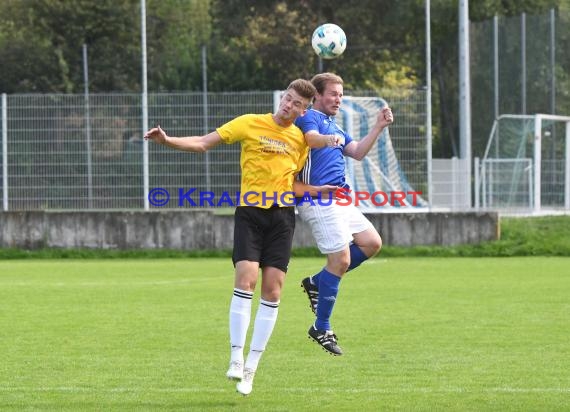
(270, 158)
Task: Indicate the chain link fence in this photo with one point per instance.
(69, 152)
(520, 66)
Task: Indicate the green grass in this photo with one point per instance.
(419, 334)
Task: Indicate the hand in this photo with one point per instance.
(326, 189)
(385, 117)
(156, 134)
(335, 140)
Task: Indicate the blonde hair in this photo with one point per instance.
(321, 80)
(304, 88)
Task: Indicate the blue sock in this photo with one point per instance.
(315, 279)
(357, 256)
(328, 290)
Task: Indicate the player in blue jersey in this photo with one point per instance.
(341, 231)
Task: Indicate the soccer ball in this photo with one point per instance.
(329, 41)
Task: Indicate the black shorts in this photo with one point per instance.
(264, 235)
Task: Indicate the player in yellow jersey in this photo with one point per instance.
(273, 151)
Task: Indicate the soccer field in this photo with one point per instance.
(460, 334)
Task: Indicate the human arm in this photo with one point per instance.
(198, 144)
(358, 149)
(309, 125)
(302, 189)
(316, 140)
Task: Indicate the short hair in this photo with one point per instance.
(304, 88)
(321, 80)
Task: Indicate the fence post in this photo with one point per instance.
(206, 128)
(537, 161)
(454, 178)
(87, 127)
(4, 152)
(477, 178)
(429, 132)
(144, 104)
(567, 172)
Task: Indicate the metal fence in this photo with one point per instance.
(69, 152)
(526, 166)
(519, 65)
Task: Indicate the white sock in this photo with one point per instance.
(240, 314)
(263, 328)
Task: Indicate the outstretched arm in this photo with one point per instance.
(189, 144)
(316, 140)
(358, 149)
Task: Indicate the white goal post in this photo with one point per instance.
(537, 158)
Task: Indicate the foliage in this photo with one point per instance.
(177, 30)
(107, 27)
(251, 45)
(111, 31)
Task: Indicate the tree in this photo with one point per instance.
(252, 45)
(177, 30)
(108, 27)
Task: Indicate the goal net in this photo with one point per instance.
(507, 183)
(381, 170)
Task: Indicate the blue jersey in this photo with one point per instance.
(324, 166)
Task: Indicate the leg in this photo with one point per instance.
(272, 283)
(266, 317)
(331, 231)
(246, 257)
(275, 255)
(329, 281)
(246, 274)
(366, 245)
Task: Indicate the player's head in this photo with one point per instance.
(304, 88)
(329, 93)
(295, 100)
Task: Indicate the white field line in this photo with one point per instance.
(73, 389)
(103, 283)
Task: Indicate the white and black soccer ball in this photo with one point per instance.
(328, 41)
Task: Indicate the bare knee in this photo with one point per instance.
(246, 275)
(271, 293)
(245, 284)
(369, 242)
(272, 284)
(376, 245)
(337, 263)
